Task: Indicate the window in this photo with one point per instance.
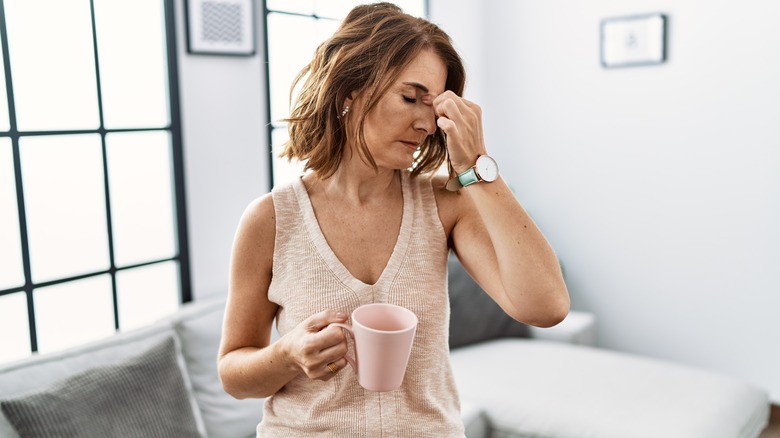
(293, 32)
(92, 229)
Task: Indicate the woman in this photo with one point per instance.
(379, 112)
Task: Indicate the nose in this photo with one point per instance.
(425, 120)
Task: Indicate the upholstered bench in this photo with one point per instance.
(538, 388)
(521, 381)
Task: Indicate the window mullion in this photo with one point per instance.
(23, 237)
(102, 131)
(269, 126)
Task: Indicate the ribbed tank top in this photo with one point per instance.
(309, 278)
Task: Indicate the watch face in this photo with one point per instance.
(487, 168)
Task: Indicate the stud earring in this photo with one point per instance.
(346, 110)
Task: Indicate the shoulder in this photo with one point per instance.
(263, 211)
(258, 221)
(253, 245)
(260, 210)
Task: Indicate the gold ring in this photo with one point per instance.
(333, 369)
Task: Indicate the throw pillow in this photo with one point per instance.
(143, 397)
(474, 316)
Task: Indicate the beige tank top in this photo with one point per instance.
(309, 278)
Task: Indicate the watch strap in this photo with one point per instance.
(468, 177)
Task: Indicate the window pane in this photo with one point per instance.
(73, 313)
(284, 171)
(11, 271)
(340, 8)
(53, 64)
(291, 48)
(412, 7)
(297, 6)
(5, 124)
(324, 30)
(15, 342)
(336, 8)
(65, 204)
(147, 294)
(133, 68)
(141, 184)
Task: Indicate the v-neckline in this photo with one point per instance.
(326, 252)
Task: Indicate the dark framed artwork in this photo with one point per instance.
(633, 40)
(220, 27)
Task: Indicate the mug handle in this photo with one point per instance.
(352, 362)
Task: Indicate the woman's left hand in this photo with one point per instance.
(461, 120)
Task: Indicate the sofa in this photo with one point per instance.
(514, 381)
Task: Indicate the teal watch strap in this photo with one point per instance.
(468, 177)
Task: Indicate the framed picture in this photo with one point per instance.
(220, 27)
(633, 40)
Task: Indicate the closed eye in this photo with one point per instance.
(410, 99)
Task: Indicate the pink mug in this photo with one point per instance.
(383, 335)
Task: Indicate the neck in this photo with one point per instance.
(357, 183)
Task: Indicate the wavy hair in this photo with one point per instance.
(367, 53)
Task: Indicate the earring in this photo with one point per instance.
(346, 110)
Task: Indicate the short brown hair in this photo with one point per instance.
(365, 55)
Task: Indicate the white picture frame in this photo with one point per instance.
(633, 40)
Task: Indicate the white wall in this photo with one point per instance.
(225, 163)
(659, 186)
(464, 22)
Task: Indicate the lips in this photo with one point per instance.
(413, 145)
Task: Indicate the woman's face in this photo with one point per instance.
(402, 118)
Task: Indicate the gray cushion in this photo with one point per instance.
(38, 372)
(474, 315)
(145, 396)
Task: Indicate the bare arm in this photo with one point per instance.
(510, 257)
(492, 235)
(249, 365)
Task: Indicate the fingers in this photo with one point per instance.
(461, 120)
(313, 344)
(456, 115)
(324, 364)
(448, 126)
(443, 101)
(333, 368)
(335, 351)
(319, 321)
(450, 107)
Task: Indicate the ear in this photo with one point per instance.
(348, 101)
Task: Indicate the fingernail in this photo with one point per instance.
(341, 315)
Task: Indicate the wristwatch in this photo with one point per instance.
(485, 169)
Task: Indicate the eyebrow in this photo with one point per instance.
(417, 85)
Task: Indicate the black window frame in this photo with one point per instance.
(174, 129)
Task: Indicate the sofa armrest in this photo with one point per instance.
(577, 328)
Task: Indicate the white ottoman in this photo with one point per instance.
(535, 388)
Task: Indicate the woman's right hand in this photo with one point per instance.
(312, 345)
